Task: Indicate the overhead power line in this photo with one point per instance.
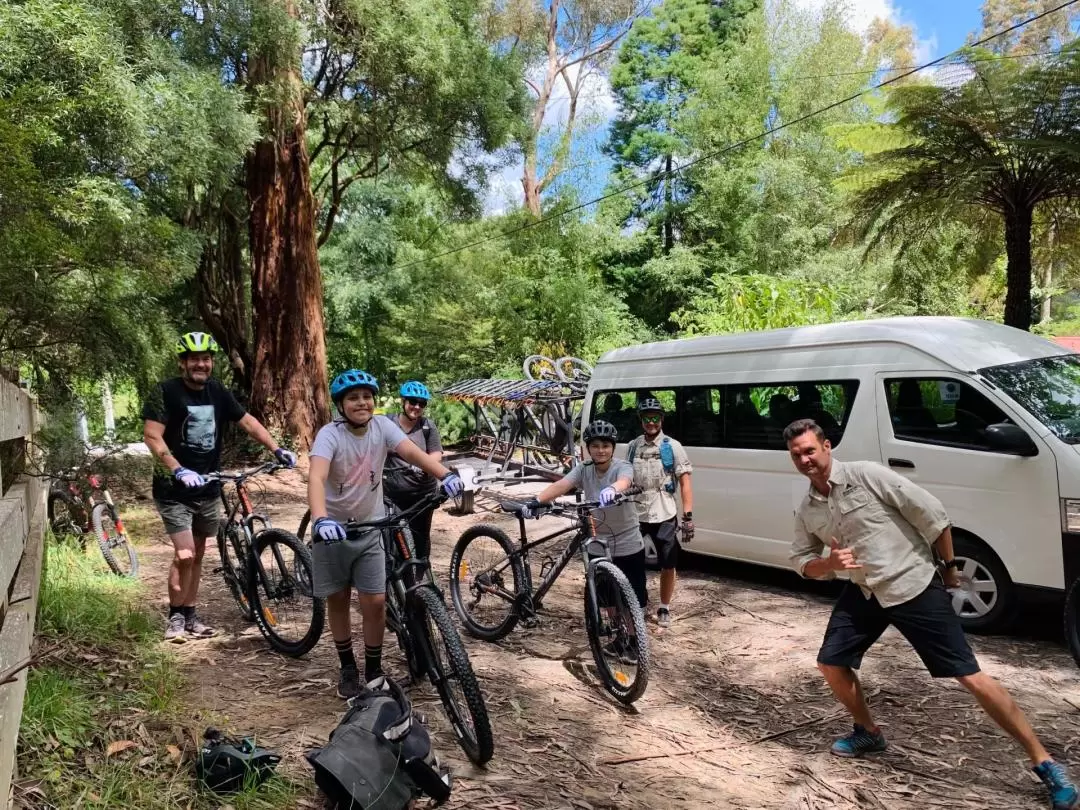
(732, 147)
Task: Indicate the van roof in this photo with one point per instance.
(965, 344)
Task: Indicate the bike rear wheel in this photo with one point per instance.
(478, 582)
(452, 675)
(290, 620)
(233, 569)
(113, 541)
(617, 634)
(66, 515)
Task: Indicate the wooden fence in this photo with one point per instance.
(22, 523)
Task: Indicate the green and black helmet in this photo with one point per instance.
(195, 342)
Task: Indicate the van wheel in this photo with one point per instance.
(985, 600)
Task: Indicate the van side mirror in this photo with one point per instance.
(1010, 438)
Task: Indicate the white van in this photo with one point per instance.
(985, 416)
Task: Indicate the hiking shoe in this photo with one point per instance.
(859, 742)
(175, 630)
(1063, 794)
(348, 685)
(196, 629)
(624, 651)
(663, 617)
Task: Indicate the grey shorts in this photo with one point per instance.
(201, 517)
(360, 563)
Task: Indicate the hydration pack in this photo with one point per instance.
(379, 757)
(667, 459)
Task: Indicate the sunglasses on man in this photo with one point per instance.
(416, 403)
(651, 418)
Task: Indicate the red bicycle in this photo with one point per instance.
(80, 503)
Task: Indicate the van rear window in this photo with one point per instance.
(736, 416)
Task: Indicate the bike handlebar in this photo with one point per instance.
(397, 517)
(266, 467)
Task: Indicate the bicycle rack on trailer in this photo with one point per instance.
(522, 429)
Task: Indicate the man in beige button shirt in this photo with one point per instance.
(880, 528)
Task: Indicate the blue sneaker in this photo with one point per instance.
(859, 742)
(1063, 793)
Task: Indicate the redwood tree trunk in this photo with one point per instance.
(289, 385)
(1018, 272)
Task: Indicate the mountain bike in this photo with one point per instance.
(267, 570)
(80, 502)
(416, 613)
(492, 589)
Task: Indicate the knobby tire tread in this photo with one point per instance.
(625, 695)
(260, 542)
(481, 749)
(103, 543)
(458, 589)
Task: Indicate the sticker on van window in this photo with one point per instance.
(950, 391)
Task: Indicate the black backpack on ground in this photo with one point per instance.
(379, 757)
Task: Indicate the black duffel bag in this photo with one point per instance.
(379, 757)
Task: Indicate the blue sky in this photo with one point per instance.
(940, 27)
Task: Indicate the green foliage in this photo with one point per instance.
(754, 302)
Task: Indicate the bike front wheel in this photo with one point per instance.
(617, 634)
(286, 613)
(113, 541)
(452, 675)
(485, 580)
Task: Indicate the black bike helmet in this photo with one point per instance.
(650, 404)
(226, 765)
(599, 429)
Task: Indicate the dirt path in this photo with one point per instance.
(735, 715)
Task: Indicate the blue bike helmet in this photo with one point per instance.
(414, 389)
(346, 381)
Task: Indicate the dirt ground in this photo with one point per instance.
(735, 715)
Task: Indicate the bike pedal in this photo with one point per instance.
(530, 622)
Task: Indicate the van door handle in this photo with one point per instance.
(902, 462)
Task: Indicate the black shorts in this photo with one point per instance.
(633, 566)
(664, 537)
(928, 622)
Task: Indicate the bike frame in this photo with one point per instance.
(88, 497)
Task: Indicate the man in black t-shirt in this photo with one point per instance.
(183, 420)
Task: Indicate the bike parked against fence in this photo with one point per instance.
(492, 588)
(267, 570)
(80, 504)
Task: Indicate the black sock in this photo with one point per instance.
(372, 662)
(189, 612)
(345, 653)
(174, 609)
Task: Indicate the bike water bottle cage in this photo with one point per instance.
(195, 342)
(414, 390)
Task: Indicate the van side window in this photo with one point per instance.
(943, 411)
(755, 415)
(737, 416)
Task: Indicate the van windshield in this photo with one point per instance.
(1048, 388)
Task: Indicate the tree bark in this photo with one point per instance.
(669, 226)
(1048, 275)
(1018, 219)
(289, 385)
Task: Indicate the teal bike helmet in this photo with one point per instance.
(414, 389)
(346, 381)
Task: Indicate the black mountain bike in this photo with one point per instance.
(417, 614)
(267, 570)
(491, 585)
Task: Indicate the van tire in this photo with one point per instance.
(968, 549)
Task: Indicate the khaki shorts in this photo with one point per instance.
(201, 517)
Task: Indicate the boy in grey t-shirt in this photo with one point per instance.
(603, 479)
(345, 483)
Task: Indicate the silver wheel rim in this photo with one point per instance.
(978, 591)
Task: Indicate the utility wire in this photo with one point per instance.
(959, 63)
(732, 146)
